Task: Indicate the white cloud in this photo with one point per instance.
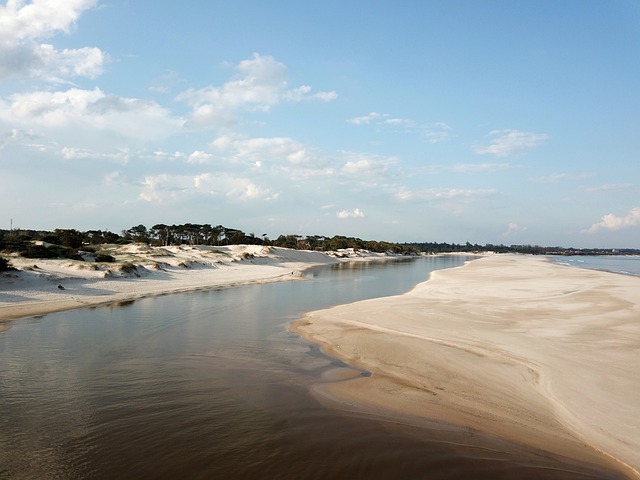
(113, 178)
(164, 188)
(261, 83)
(245, 190)
(451, 201)
(84, 110)
(480, 167)
(363, 165)
(303, 93)
(70, 153)
(365, 119)
(442, 194)
(507, 143)
(512, 229)
(272, 149)
(433, 133)
(402, 122)
(16, 136)
(348, 214)
(199, 157)
(22, 25)
(559, 177)
(280, 156)
(436, 132)
(612, 222)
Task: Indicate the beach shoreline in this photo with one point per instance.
(41, 286)
(515, 346)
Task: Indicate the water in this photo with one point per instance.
(211, 385)
(629, 265)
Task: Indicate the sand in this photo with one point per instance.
(141, 271)
(515, 346)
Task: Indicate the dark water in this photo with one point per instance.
(210, 385)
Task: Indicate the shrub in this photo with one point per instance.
(105, 257)
(129, 268)
(4, 264)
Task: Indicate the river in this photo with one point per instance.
(210, 384)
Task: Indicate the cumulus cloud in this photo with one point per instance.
(165, 188)
(348, 214)
(612, 222)
(199, 157)
(364, 165)
(507, 143)
(260, 83)
(89, 109)
(245, 190)
(247, 149)
(512, 229)
(282, 157)
(24, 25)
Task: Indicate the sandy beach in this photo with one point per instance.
(536, 353)
(140, 271)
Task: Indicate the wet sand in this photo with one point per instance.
(538, 354)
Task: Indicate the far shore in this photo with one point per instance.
(515, 346)
(41, 286)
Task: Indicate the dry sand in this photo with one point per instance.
(544, 355)
(141, 271)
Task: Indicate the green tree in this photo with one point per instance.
(69, 237)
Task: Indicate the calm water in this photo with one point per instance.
(629, 265)
(211, 385)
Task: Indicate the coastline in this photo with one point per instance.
(513, 346)
(143, 271)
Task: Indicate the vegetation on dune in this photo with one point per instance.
(4, 264)
(70, 243)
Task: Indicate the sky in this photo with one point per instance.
(495, 122)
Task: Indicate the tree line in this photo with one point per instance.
(67, 243)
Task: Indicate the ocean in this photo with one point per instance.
(629, 265)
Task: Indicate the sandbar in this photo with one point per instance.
(515, 346)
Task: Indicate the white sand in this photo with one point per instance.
(33, 290)
(537, 353)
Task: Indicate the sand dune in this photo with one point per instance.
(141, 270)
(516, 346)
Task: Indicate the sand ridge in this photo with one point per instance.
(537, 353)
(141, 270)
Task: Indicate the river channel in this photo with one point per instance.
(211, 384)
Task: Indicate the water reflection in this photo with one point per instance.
(211, 384)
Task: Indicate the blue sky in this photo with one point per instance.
(489, 122)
